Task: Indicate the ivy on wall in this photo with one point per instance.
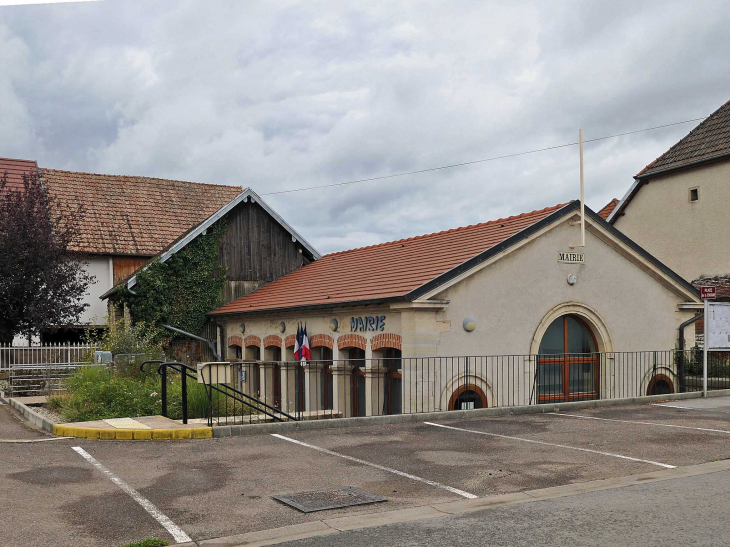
(183, 289)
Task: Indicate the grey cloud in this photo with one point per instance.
(285, 95)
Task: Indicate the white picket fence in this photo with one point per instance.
(44, 354)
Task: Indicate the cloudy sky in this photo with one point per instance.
(280, 95)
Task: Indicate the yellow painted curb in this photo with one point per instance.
(202, 432)
(162, 434)
(182, 434)
(107, 434)
(94, 433)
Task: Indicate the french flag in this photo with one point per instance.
(301, 344)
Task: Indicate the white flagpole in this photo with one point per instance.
(582, 196)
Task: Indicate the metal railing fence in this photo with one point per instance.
(379, 386)
(34, 380)
(44, 354)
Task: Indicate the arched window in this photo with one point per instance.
(660, 385)
(468, 397)
(567, 363)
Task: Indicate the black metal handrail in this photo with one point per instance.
(224, 389)
(247, 400)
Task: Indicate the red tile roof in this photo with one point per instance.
(610, 206)
(722, 282)
(709, 139)
(15, 170)
(134, 215)
(385, 271)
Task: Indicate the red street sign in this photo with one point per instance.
(708, 293)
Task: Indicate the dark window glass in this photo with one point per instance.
(553, 341)
(550, 379)
(468, 400)
(579, 337)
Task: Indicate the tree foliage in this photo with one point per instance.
(42, 282)
(183, 289)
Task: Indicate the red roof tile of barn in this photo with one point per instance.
(382, 271)
(15, 170)
(135, 215)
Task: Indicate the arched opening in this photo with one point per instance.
(390, 360)
(567, 361)
(660, 385)
(468, 397)
(273, 356)
(322, 357)
(253, 354)
(356, 360)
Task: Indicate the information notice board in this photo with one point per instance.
(718, 325)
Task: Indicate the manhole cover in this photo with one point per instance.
(321, 500)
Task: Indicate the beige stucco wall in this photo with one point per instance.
(510, 298)
(690, 237)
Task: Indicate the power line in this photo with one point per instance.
(462, 164)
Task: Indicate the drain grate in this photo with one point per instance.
(321, 500)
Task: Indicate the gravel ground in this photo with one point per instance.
(48, 413)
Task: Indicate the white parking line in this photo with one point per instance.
(677, 406)
(376, 466)
(640, 423)
(665, 465)
(175, 531)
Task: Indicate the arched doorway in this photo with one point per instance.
(357, 363)
(660, 385)
(567, 362)
(468, 397)
(393, 381)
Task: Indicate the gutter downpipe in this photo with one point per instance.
(682, 380)
(194, 337)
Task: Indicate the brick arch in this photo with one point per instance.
(235, 341)
(289, 340)
(386, 340)
(319, 340)
(351, 341)
(252, 341)
(272, 340)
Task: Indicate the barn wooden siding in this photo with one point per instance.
(256, 250)
(124, 266)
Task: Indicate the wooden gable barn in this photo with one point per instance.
(257, 247)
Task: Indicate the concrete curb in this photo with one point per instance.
(31, 415)
(338, 525)
(69, 430)
(337, 423)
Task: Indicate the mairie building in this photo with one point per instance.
(463, 319)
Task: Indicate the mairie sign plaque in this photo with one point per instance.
(572, 258)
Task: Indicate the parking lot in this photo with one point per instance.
(222, 487)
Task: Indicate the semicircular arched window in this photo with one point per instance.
(567, 363)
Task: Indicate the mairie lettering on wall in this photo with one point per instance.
(372, 323)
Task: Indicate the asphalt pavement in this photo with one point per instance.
(685, 511)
